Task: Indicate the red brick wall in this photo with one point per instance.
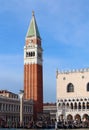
(33, 85)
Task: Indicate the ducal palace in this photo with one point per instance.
(73, 94)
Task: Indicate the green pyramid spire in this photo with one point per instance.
(33, 29)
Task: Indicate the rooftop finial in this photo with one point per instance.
(33, 28)
(32, 13)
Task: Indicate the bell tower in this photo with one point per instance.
(33, 68)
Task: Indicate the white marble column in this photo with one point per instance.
(21, 107)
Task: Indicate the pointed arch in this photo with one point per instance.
(83, 105)
(75, 105)
(67, 105)
(70, 87)
(71, 105)
(63, 104)
(77, 117)
(85, 116)
(69, 117)
(79, 105)
(87, 105)
(88, 86)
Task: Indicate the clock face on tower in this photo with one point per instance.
(31, 41)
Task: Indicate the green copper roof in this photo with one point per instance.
(33, 29)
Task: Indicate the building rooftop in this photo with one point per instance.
(8, 94)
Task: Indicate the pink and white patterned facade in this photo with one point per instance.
(73, 94)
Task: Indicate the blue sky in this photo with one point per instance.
(64, 29)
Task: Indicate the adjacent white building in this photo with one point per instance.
(10, 109)
(73, 94)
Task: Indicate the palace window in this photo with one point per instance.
(70, 87)
(87, 86)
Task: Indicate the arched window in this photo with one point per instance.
(87, 105)
(79, 105)
(70, 87)
(87, 86)
(83, 105)
(75, 105)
